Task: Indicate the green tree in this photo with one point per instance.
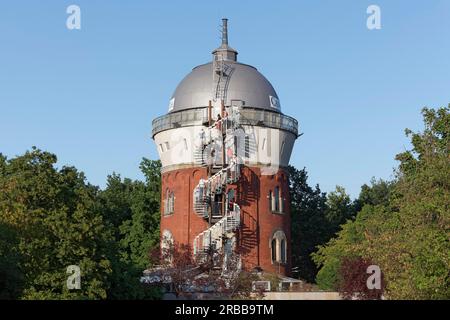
(316, 217)
(131, 209)
(11, 277)
(378, 193)
(407, 236)
(339, 208)
(51, 218)
(55, 221)
(309, 224)
(417, 265)
(347, 244)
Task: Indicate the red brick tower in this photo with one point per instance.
(224, 147)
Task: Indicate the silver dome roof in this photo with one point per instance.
(245, 84)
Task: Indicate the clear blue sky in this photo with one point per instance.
(89, 95)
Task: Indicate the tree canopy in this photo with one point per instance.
(403, 226)
(52, 218)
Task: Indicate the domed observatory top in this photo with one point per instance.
(244, 83)
(228, 82)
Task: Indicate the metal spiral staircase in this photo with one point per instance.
(217, 150)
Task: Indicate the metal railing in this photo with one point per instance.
(213, 236)
(257, 117)
(184, 118)
(249, 116)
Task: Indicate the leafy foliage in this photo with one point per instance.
(378, 193)
(131, 209)
(50, 219)
(406, 230)
(11, 277)
(339, 209)
(316, 217)
(309, 223)
(56, 222)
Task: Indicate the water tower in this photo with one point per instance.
(225, 145)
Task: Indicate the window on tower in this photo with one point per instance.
(270, 200)
(278, 247)
(276, 200)
(169, 202)
(274, 249)
(281, 200)
(247, 147)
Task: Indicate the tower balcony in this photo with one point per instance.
(249, 116)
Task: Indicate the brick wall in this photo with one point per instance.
(258, 222)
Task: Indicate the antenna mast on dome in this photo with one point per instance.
(225, 32)
(222, 68)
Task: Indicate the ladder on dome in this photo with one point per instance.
(221, 77)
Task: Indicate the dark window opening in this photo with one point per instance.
(274, 250)
(277, 199)
(283, 251)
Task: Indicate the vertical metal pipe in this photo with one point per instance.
(225, 32)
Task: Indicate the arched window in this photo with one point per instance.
(278, 246)
(169, 202)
